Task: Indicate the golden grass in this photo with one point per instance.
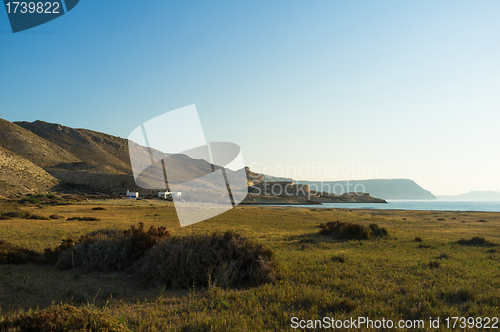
(392, 278)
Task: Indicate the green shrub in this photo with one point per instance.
(51, 196)
(14, 254)
(345, 230)
(62, 318)
(216, 259)
(31, 200)
(55, 216)
(378, 231)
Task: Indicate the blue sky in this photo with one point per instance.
(389, 89)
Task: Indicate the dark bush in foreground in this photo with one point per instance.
(216, 259)
(476, 241)
(107, 249)
(345, 230)
(52, 255)
(14, 254)
(61, 319)
(99, 208)
(100, 252)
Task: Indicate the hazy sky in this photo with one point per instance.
(363, 89)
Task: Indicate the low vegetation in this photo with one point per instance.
(14, 254)
(351, 231)
(217, 259)
(63, 318)
(447, 274)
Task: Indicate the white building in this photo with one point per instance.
(168, 194)
(132, 195)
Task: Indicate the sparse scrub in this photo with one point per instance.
(63, 318)
(216, 259)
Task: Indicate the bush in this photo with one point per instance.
(63, 318)
(216, 259)
(31, 200)
(434, 264)
(418, 239)
(476, 241)
(17, 214)
(98, 252)
(99, 208)
(338, 258)
(55, 216)
(345, 230)
(37, 217)
(14, 254)
(51, 196)
(52, 255)
(378, 231)
(83, 219)
(108, 249)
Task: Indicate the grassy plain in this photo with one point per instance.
(396, 277)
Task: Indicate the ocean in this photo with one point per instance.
(431, 205)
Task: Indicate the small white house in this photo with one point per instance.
(132, 195)
(168, 194)
(164, 194)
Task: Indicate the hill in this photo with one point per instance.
(383, 188)
(473, 195)
(40, 156)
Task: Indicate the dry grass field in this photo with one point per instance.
(421, 269)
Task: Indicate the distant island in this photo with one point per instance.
(473, 195)
(404, 189)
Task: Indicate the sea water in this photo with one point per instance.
(431, 205)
